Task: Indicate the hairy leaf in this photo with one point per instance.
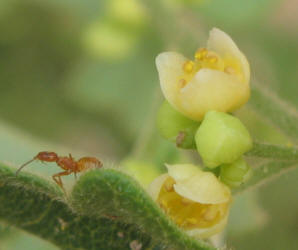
(266, 172)
(37, 206)
(111, 193)
(273, 151)
(277, 112)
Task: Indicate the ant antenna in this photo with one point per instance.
(20, 168)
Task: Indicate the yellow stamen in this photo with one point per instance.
(211, 58)
(163, 203)
(169, 185)
(210, 214)
(201, 53)
(179, 221)
(188, 67)
(192, 221)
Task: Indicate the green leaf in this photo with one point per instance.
(273, 152)
(114, 194)
(279, 113)
(39, 207)
(266, 172)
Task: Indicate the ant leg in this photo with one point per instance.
(70, 156)
(75, 173)
(57, 178)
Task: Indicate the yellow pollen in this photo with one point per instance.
(210, 214)
(179, 221)
(192, 221)
(169, 185)
(230, 70)
(203, 210)
(164, 204)
(188, 67)
(211, 59)
(201, 53)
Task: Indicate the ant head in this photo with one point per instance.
(47, 156)
(42, 156)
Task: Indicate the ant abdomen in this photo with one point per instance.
(88, 162)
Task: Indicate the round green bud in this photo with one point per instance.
(236, 173)
(176, 127)
(108, 41)
(143, 172)
(221, 138)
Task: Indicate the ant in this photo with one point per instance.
(67, 163)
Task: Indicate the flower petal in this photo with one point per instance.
(181, 172)
(170, 70)
(197, 185)
(203, 233)
(212, 90)
(155, 186)
(223, 44)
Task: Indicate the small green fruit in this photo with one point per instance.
(221, 138)
(176, 127)
(236, 173)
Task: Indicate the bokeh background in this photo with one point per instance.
(79, 76)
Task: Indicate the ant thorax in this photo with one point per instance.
(67, 163)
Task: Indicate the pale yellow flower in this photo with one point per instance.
(196, 200)
(217, 78)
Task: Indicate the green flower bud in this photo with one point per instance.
(143, 172)
(236, 173)
(176, 127)
(221, 138)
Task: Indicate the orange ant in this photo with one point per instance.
(69, 164)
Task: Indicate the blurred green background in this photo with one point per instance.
(79, 76)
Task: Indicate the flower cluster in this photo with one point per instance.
(199, 94)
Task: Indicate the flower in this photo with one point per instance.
(217, 78)
(196, 200)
